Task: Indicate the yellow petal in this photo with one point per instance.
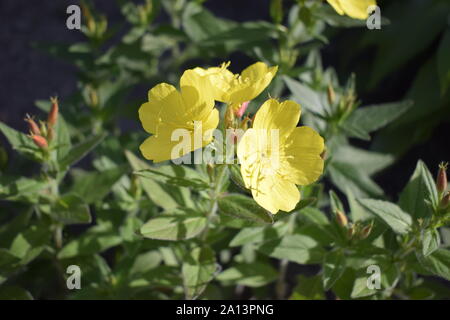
(303, 163)
(159, 147)
(165, 105)
(274, 194)
(252, 81)
(247, 152)
(208, 124)
(218, 81)
(279, 116)
(336, 4)
(356, 9)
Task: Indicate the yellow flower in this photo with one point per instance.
(235, 89)
(191, 109)
(275, 156)
(356, 9)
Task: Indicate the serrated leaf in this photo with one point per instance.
(79, 151)
(361, 289)
(95, 240)
(252, 275)
(152, 188)
(430, 241)
(94, 186)
(372, 118)
(305, 96)
(420, 187)
(399, 221)
(177, 227)
(71, 209)
(258, 234)
(346, 176)
(308, 288)
(243, 207)
(336, 203)
(438, 263)
(62, 141)
(179, 176)
(198, 270)
(18, 140)
(296, 248)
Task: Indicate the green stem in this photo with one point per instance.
(213, 193)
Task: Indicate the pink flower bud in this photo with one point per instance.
(53, 114)
(32, 125)
(241, 110)
(40, 141)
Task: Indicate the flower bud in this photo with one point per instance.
(40, 141)
(32, 125)
(351, 232)
(50, 133)
(229, 117)
(341, 218)
(441, 181)
(365, 232)
(239, 112)
(331, 95)
(53, 114)
(93, 97)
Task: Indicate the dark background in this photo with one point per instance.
(28, 74)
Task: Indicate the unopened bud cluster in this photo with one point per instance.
(44, 133)
(355, 230)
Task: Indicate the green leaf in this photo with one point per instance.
(437, 263)
(430, 241)
(243, 207)
(258, 234)
(296, 248)
(399, 221)
(252, 275)
(71, 209)
(21, 189)
(175, 175)
(14, 293)
(200, 24)
(346, 176)
(177, 227)
(333, 268)
(62, 141)
(443, 62)
(357, 211)
(372, 118)
(308, 288)
(18, 140)
(336, 203)
(361, 289)
(305, 96)
(368, 161)
(96, 239)
(8, 264)
(421, 187)
(198, 270)
(79, 151)
(152, 188)
(94, 186)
